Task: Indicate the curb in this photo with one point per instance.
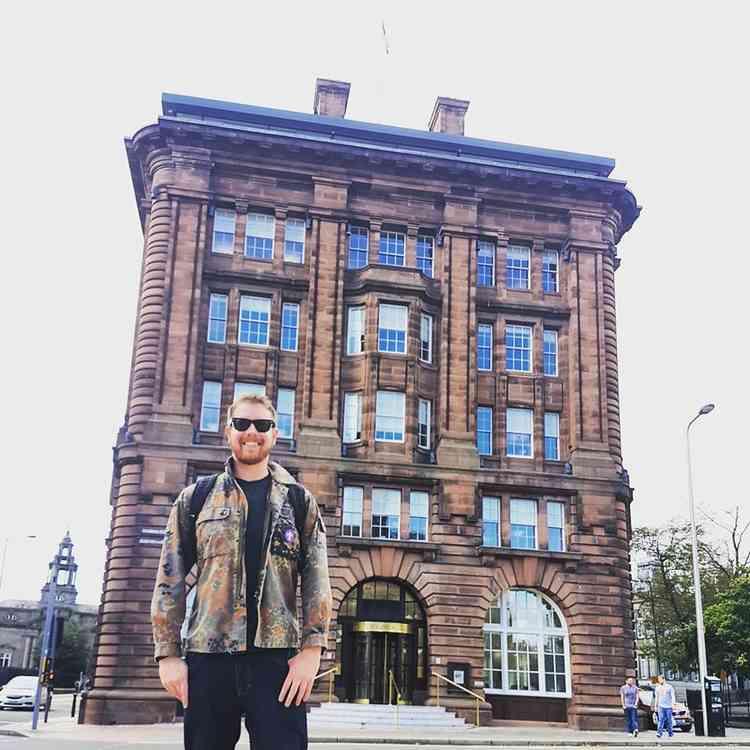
(12, 733)
(485, 742)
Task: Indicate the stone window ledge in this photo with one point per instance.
(346, 544)
(490, 555)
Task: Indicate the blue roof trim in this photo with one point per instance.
(210, 109)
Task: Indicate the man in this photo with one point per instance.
(629, 700)
(664, 704)
(243, 631)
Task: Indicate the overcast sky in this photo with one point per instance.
(660, 87)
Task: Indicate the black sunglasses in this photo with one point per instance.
(261, 425)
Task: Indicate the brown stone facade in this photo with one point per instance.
(345, 180)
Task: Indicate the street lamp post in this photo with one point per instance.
(47, 642)
(702, 666)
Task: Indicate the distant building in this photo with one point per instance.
(22, 621)
(434, 317)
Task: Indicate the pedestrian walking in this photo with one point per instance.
(247, 534)
(665, 704)
(629, 699)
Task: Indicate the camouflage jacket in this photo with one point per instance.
(218, 620)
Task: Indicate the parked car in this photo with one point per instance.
(19, 693)
(681, 717)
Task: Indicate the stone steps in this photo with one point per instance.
(356, 714)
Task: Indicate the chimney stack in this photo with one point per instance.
(331, 98)
(448, 116)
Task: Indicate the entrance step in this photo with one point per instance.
(358, 715)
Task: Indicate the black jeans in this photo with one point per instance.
(221, 687)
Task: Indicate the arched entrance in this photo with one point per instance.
(381, 632)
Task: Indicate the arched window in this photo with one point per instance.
(526, 649)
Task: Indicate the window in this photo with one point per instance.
(517, 270)
(358, 247)
(5, 659)
(259, 236)
(425, 338)
(223, 239)
(552, 436)
(550, 353)
(423, 423)
(254, 315)
(425, 253)
(519, 430)
(351, 521)
(526, 646)
(491, 521)
(555, 526)
(285, 409)
(550, 267)
(386, 513)
(290, 326)
(210, 406)
(418, 507)
(355, 332)
(391, 251)
(352, 417)
(249, 389)
(523, 524)
(389, 417)
(484, 347)
(484, 430)
(485, 264)
(518, 348)
(217, 319)
(392, 328)
(294, 241)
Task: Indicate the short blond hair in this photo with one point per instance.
(252, 398)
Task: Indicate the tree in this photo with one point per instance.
(728, 627)
(72, 654)
(664, 592)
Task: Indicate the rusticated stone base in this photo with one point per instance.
(127, 707)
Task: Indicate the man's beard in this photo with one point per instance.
(256, 457)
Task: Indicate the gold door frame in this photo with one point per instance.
(403, 628)
(386, 628)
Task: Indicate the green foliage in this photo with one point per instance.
(664, 594)
(727, 622)
(72, 655)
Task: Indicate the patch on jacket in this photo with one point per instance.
(285, 541)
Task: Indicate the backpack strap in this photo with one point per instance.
(202, 490)
(298, 499)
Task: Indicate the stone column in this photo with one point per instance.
(455, 444)
(318, 433)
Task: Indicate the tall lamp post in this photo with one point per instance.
(696, 574)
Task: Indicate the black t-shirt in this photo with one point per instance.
(256, 493)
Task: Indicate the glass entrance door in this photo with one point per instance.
(381, 648)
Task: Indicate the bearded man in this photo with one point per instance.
(255, 534)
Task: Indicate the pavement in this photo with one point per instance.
(63, 733)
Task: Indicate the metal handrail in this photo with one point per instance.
(393, 684)
(331, 672)
(478, 698)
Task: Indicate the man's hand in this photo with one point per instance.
(299, 682)
(173, 674)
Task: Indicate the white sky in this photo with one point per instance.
(658, 86)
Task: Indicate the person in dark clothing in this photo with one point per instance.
(245, 653)
(629, 700)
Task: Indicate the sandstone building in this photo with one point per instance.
(435, 317)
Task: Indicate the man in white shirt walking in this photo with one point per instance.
(664, 704)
